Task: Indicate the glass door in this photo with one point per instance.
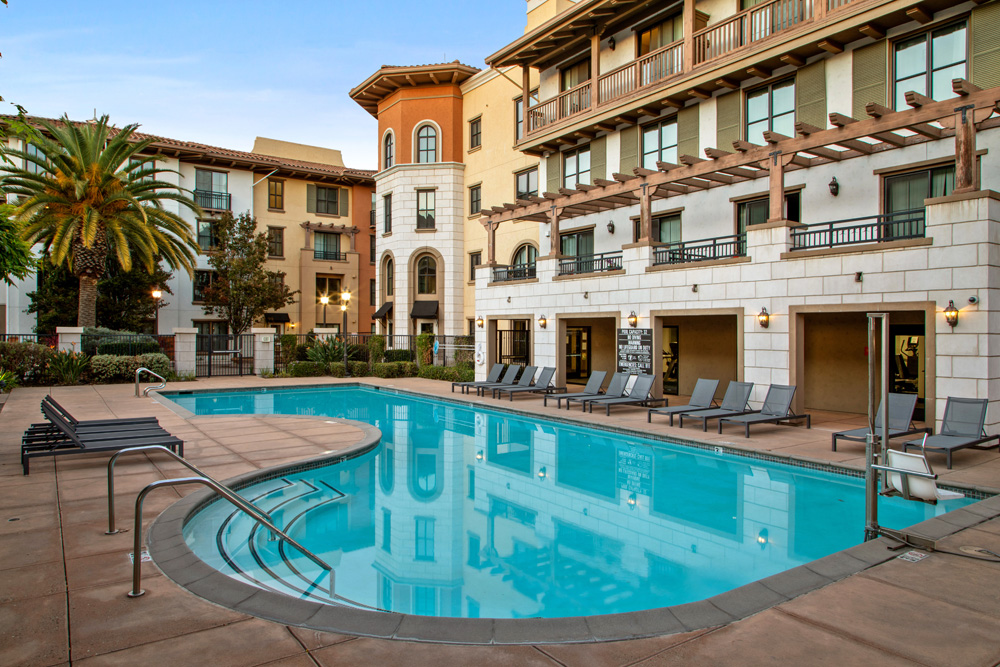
(907, 363)
(577, 353)
(670, 360)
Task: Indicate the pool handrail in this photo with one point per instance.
(145, 392)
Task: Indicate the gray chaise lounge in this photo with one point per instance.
(776, 409)
(702, 398)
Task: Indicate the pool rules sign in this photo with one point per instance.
(635, 351)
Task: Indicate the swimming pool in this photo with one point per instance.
(467, 511)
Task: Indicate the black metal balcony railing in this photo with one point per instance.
(215, 201)
(606, 261)
(873, 229)
(502, 274)
(330, 255)
(721, 247)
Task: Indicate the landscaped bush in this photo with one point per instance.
(386, 370)
(28, 362)
(133, 347)
(359, 369)
(425, 349)
(398, 355)
(407, 369)
(336, 369)
(305, 369)
(68, 367)
(465, 365)
(376, 349)
(117, 368)
(447, 373)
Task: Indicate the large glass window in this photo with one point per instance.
(202, 279)
(661, 34)
(659, 143)
(475, 199)
(425, 209)
(575, 74)
(207, 238)
(427, 144)
(519, 112)
(476, 133)
(577, 244)
(211, 189)
(426, 275)
(526, 183)
(905, 195)
(525, 255)
(328, 200)
(31, 167)
(389, 277)
(327, 246)
(136, 165)
(275, 194)
(424, 539)
(275, 242)
(388, 151)
(475, 259)
(755, 211)
(667, 228)
(771, 108)
(927, 63)
(576, 167)
(371, 249)
(372, 293)
(387, 213)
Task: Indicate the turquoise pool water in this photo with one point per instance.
(472, 512)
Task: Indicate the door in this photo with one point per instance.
(907, 363)
(577, 353)
(671, 360)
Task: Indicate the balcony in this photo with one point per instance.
(872, 229)
(212, 201)
(371, 218)
(330, 255)
(752, 25)
(599, 263)
(721, 247)
(503, 274)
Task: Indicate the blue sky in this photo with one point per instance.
(222, 72)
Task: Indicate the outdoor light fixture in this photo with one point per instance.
(951, 314)
(157, 294)
(508, 299)
(633, 319)
(479, 321)
(763, 318)
(345, 297)
(542, 322)
(632, 501)
(611, 43)
(586, 295)
(611, 227)
(834, 186)
(859, 276)
(694, 288)
(325, 300)
(762, 538)
(479, 455)
(541, 473)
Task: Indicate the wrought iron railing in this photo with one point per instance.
(871, 229)
(330, 255)
(49, 340)
(598, 263)
(215, 201)
(720, 247)
(502, 274)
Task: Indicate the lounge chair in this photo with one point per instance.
(526, 377)
(508, 377)
(733, 403)
(493, 376)
(641, 394)
(702, 398)
(776, 409)
(901, 408)
(615, 389)
(541, 386)
(921, 485)
(49, 432)
(591, 390)
(961, 427)
(94, 422)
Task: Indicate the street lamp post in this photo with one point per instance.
(157, 295)
(325, 300)
(345, 298)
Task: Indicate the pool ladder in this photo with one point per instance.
(261, 517)
(145, 392)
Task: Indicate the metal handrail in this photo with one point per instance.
(145, 392)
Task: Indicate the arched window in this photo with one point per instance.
(427, 144)
(388, 151)
(426, 275)
(388, 277)
(526, 254)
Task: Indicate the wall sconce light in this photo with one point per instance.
(859, 277)
(762, 538)
(632, 501)
(633, 319)
(479, 321)
(542, 322)
(479, 455)
(694, 288)
(611, 227)
(834, 186)
(763, 318)
(951, 314)
(541, 473)
(508, 299)
(586, 295)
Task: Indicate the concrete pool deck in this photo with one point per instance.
(63, 582)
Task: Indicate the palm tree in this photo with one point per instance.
(87, 192)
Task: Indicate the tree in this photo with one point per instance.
(16, 260)
(88, 194)
(242, 290)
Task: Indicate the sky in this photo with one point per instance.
(221, 72)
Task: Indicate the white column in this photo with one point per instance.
(263, 349)
(70, 339)
(185, 350)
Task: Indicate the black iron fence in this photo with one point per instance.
(329, 255)
(605, 261)
(216, 201)
(721, 247)
(223, 354)
(870, 229)
(513, 346)
(49, 340)
(127, 344)
(450, 350)
(503, 274)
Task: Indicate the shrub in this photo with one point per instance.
(407, 369)
(134, 346)
(304, 369)
(376, 349)
(117, 368)
(290, 349)
(68, 367)
(359, 369)
(28, 362)
(398, 355)
(157, 362)
(465, 366)
(332, 349)
(447, 373)
(425, 344)
(336, 369)
(94, 336)
(386, 370)
(464, 356)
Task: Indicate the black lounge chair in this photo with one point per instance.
(961, 427)
(777, 408)
(591, 390)
(733, 403)
(526, 377)
(542, 385)
(507, 378)
(901, 408)
(616, 389)
(641, 394)
(702, 398)
(493, 376)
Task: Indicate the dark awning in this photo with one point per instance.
(275, 318)
(423, 310)
(383, 310)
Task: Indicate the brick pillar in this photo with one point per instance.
(185, 350)
(70, 339)
(263, 350)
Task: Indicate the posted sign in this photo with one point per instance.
(635, 351)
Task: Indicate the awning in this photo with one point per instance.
(383, 310)
(276, 318)
(424, 310)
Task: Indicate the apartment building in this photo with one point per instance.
(738, 184)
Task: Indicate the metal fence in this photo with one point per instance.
(223, 354)
(127, 344)
(49, 340)
(682, 252)
(451, 350)
(513, 346)
(870, 229)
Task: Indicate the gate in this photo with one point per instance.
(513, 346)
(223, 354)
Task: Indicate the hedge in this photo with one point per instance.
(305, 369)
(399, 355)
(27, 361)
(117, 368)
(447, 373)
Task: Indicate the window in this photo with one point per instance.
(577, 244)
(475, 199)
(426, 275)
(425, 601)
(472, 327)
(276, 278)
(576, 167)
(424, 538)
(212, 328)
(927, 63)
(328, 200)
(275, 242)
(202, 279)
(387, 213)
(519, 113)
(327, 246)
(660, 34)
(667, 228)
(755, 211)
(275, 194)
(388, 277)
(659, 143)
(574, 75)
(31, 167)
(386, 593)
(137, 164)
(476, 133)
(525, 255)
(207, 238)
(211, 189)
(771, 108)
(425, 209)
(905, 195)
(371, 249)
(372, 293)
(475, 259)
(387, 532)
(426, 144)
(526, 183)
(388, 151)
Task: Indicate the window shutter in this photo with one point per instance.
(552, 176)
(344, 206)
(311, 198)
(728, 110)
(687, 131)
(984, 46)
(869, 75)
(810, 94)
(630, 150)
(598, 158)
